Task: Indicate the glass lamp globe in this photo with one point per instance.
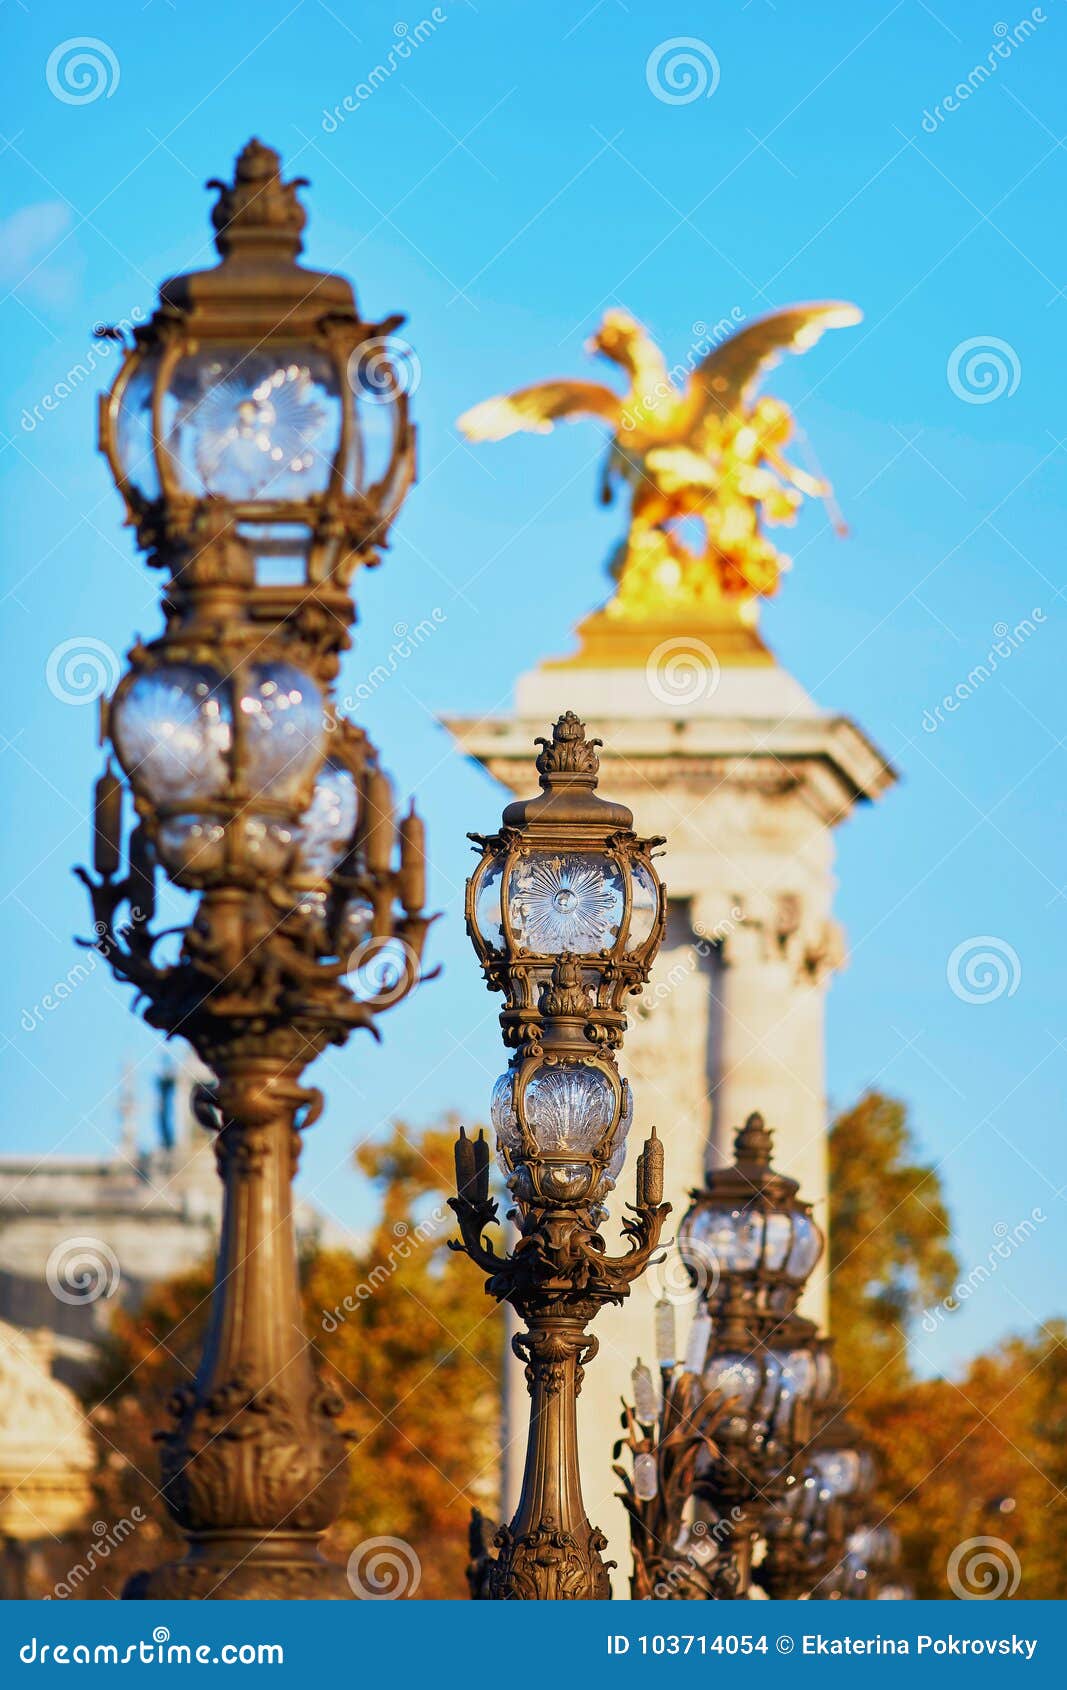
(739, 1380)
(825, 1373)
(796, 1386)
(207, 750)
(731, 1238)
(839, 1471)
(327, 826)
(569, 1109)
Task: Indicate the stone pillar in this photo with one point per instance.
(747, 778)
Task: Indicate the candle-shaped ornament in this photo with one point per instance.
(412, 878)
(481, 1167)
(142, 876)
(646, 1477)
(666, 1336)
(650, 1165)
(376, 830)
(466, 1165)
(646, 1397)
(696, 1349)
(107, 823)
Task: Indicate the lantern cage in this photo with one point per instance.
(769, 1388)
(221, 750)
(256, 385)
(747, 1237)
(566, 912)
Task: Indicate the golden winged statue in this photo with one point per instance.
(694, 442)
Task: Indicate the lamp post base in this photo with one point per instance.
(235, 1569)
(557, 1279)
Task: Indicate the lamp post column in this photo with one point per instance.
(254, 1467)
(550, 1548)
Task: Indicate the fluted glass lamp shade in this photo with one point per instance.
(253, 426)
(565, 903)
(569, 1141)
(206, 751)
(173, 732)
(825, 1372)
(555, 903)
(738, 1379)
(796, 1387)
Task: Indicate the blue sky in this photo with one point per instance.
(510, 178)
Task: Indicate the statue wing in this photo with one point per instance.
(534, 410)
(723, 382)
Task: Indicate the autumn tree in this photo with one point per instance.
(890, 1255)
(982, 1456)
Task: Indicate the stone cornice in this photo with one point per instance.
(827, 759)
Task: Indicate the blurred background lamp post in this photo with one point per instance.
(260, 438)
(740, 1409)
(566, 913)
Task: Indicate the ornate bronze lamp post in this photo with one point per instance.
(670, 1433)
(805, 1522)
(262, 445)
(566, 912)
(750, 1243)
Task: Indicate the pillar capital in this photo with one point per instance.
(765, 927)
